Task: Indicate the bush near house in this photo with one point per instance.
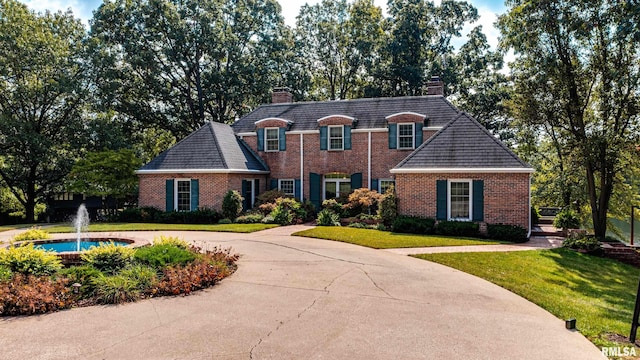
(153, 215)
(327, 217)
(458, 228)
(511, 233)
(567, 219)
(232, 205)
(413, 225)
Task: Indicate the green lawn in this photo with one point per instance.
(598, 292)
(13, 227)
(237, 228)
(385, 239)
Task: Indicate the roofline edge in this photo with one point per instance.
(463, 170)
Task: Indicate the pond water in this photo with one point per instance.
(71, 245)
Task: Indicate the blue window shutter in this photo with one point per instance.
(246, 188)
(195, 194)
(283, 139)
(274, 184)
(478, 200)
(347, 137)
(169, 195)
(418, 137)
(315, 189)
(323, 138)
(441, 199)
(393, 136)
(296, 189)
(374, 185)
(356, 181)
(260, 139)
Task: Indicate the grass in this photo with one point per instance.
(600, 293)
(385, 239)
(237, 228)
(14, 227)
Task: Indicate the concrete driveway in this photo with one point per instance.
(299, 298)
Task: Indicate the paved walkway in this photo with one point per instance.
(300, 298)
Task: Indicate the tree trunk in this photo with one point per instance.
(30, 205)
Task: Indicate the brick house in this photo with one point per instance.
(442, 162)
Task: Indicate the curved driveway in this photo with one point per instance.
(299, 298)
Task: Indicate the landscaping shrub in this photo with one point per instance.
(172, 240)
(511, 233)
(388, 207)
(582, 242)
(328, 217)
(359, 225)
(225, 221)
(567, 219)
(160, 255)
(282, 216)
(267, 208)
(335, 206)
(362, 200)
(270, 197)
(108, 258)
(28, 294)
(535, 215)
(255, 218)
(35, 233)
(83, 275)
(116, 289)
(146, 277)
(153, 215)
(5, 273)
(185, 279)
(288, 211)
(458, 228)
(413, 225)
(232, 204)
(28, 259)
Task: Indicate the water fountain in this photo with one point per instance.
(81, 224)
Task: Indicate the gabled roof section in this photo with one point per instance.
(370, 113)
(212, 148)
(463, 145)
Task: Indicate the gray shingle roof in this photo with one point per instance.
(370, 113)
(462, 144)
(212, 147)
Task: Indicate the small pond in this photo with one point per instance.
(71, 245)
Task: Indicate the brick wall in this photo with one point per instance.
(213, 187)
(506, 196)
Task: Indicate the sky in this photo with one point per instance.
(487, 9)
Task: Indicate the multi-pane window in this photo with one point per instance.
(385, 185)
(460, 200)
(183, 195)
(405, 136)
(272, 139)
(336, 185)
(286, 186)
(336, 138)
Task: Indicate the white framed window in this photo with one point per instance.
(336, 137)
(385, 184)
(336, 185)
(183, 194)
(406, 135)
(286, 186)
(63, 197)
(460, 195)
(272, 137)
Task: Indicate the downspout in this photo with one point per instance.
(530, 224)
(301, 167)
(369, 162)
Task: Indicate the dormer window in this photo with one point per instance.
(406, 135)
(336, 137)
(272, 136)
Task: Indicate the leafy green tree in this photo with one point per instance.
(339, 41)
(42, 95)
(177, 64)
(106, 173)
(578, 66)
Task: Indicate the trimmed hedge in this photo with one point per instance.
(413, 225)
(458, 228)
(153, 215)
(511, 233)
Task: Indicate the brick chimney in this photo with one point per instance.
(435, 86)
(281, 95)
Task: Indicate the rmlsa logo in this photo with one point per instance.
(619, 351)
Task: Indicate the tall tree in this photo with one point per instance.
(578, 63)
(420, 37)
(339, 41)
(42, 93)
(177, 64)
